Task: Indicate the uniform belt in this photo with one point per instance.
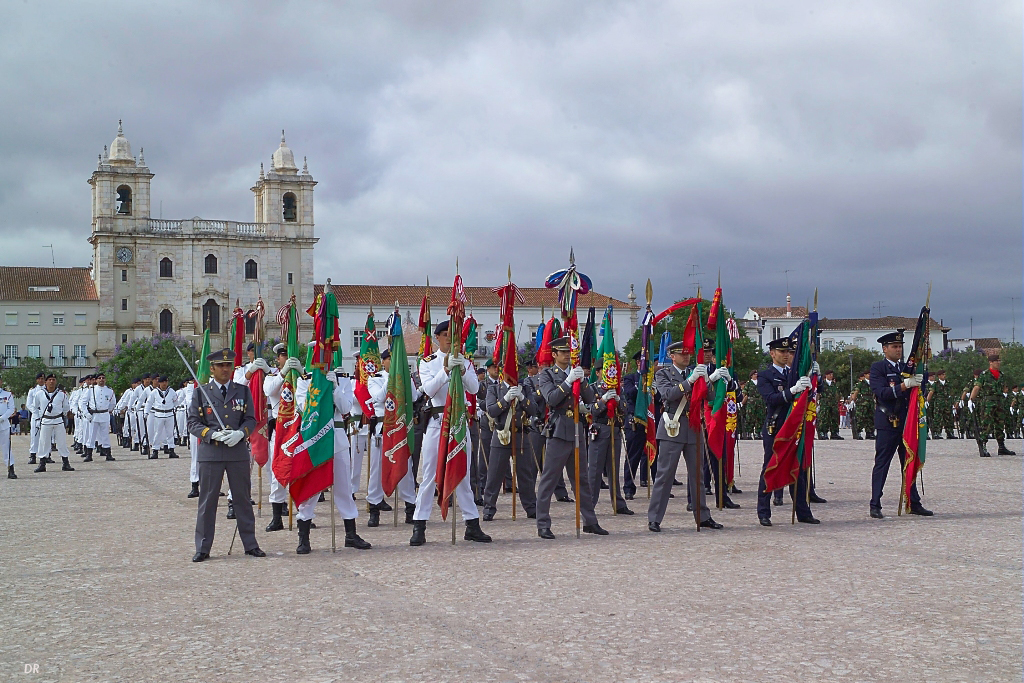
(97, 412)
(157, 410)
(436, 411)
(339, 424)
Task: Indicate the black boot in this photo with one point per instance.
(474, 532)
(231, 510)
(135, 446)
(383, 505)
(409, 509)
(171, 453)
(66, 467)
(352, 539)
(88, 455)
(31, 459)
(374, 516)
(419, 532)
(194, 493)
(107, 456)
(835, 436)
(1003, 450)
(10, 472)
(275, 522)
(42, 465)
(303, 548)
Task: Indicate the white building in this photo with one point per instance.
(50, 314)
(763, 324)
(862, 333)
(169, 276)
(354, 303)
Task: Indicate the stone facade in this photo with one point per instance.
(155, 275)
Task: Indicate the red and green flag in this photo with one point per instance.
(452, 457)
(397, 435)
(259, 442)
(699, 392)
(426, 329)
(367, 365)
(507, 357)
(722, 409)
(794, 442)
(312, 466)
(915, 429)
(237, 342)
(611, 366)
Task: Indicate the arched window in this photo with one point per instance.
(166, 267)
(250, 324)
(210, 264)
(124, 200)
(211, 316)
(166, 321)
(251, 270)
(291, 207)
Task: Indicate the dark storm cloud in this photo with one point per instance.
(867, 147)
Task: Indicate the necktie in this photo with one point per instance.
(224, 392)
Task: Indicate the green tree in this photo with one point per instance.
(153, 355)
(960, 365)
(839, 360)
(22, 378)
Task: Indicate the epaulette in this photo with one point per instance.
(430, 357)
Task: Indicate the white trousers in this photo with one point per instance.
(126, 425)
(193, 473)
(428, 470)
(99, 432)
(181, 423)
(358, 451)
(33, 436)
(5, 443)
(343, 502)
(375, 491)
(278, 493)
(161, 430)
(135, 418)
(54, 433)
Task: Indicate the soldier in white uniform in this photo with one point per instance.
(378, 385)
(7, 408)
(272, 384)
(180, 419)
(136, 408)
(434, 371)
(126, 419)
(343, 501)
(49, 407)
(159, 412)
(33, 447)
(99, 402)
(76, 443)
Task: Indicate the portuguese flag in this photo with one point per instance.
(794, 442)
(312, 465)
(368, 364)
(611, 368)
(452, 459)
(915, 428)
(722, 410)
(397, 435)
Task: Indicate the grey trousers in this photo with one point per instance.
(668, 461)
(526, 475)
(559, 454)
(537, 441)
(600, 461)
(210, 477)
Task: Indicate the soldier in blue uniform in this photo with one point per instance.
(773, 383)
(891, 390)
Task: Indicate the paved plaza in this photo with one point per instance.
(97, 584)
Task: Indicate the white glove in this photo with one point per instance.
(261, 364)
(700, 371)
(815, 368)
(331, 376)
(514, 393)
(220, 435)
(454, 361)
(574, 375)
(926, 405)
(802, 385)
(609, 395)
(720, 373)
(293, 364)
(911, 382)
(232, 437)
(970, 406)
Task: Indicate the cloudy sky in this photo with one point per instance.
(867, 147)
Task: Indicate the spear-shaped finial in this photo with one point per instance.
(649, 292)
(510, 272)
(371, 302)
(927, 299)
(815, 299)
(456, 265)
(719, 277)
(572, 257)
(428, 284)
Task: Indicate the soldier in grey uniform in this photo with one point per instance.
(555, 385)
(604, 453)
(499, 405)
(674, 383)
(221, 451)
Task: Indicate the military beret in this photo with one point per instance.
(891, 338)
(480, 371)
(146, 375)
(251, 346)
(636, 356)
(281, 349)
(50, 375)
(100, 374)
(40, 375)
(940, 372)
(489, 363)
(675, 347)
(993, 357)
(386, 354)
(709, 343)
(441, 327)
(829, 372)
(531, 363)
(781, 344)
(560, 344)
(136, 380)
(163, 378)
(221, 357)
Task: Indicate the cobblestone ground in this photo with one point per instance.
(97, 585)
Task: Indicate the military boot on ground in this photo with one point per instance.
(352, 539)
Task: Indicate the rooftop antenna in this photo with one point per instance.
(694, 276)
(53, 261)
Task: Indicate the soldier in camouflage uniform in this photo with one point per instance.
(753, 408)
(828, 407)
(988, 393)
(940, 406)
(864, 408)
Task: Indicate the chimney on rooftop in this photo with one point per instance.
(789, 306)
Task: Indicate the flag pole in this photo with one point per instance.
(515, 466)
(334, 527)
(698, 473)
(647, 460)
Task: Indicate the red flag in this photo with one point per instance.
(259, 444)
(544, 352)
(784, 466)
(452, 459)
(425, 326)
(690, 331)
(238, 334)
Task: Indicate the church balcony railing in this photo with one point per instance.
(58, 361)
(158, 225)
(80, 361)
(194, 226)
